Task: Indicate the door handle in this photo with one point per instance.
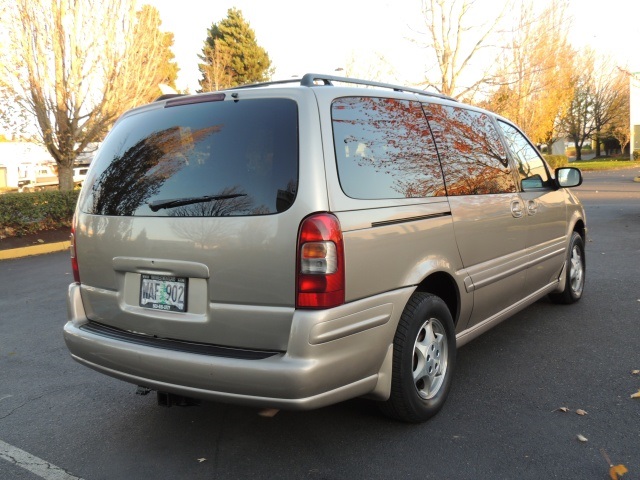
(532, 207)
(517, 208)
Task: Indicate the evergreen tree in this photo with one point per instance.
(231, 55)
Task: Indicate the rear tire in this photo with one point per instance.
(424, 352)
(575, 267)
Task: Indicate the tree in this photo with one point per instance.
(577, 122)
(610, 100)
(620, 126)
(231, 55)
(149, 16)
(455, 42)
(75, 66)
(534, 85)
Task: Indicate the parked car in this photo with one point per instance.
(295, 244)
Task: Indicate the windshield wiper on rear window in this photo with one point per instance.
(179, 202)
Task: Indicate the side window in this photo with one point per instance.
(384, 149)
(531, 169)
(474, 161)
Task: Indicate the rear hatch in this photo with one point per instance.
(186, 226)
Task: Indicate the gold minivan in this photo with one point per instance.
(299, 243)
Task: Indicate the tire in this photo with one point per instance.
(576, 273)
(424, 352)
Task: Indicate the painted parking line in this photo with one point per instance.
(35, 465)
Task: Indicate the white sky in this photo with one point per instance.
(318, 37)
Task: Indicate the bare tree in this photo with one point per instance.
(534, 85)
(218, 75)
(577, 122)
(455, 41)
(610, 97)
(75, 66)
(620, 126)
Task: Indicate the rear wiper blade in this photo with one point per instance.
(179, 202)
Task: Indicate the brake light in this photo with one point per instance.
(320, 265)
(72, 250)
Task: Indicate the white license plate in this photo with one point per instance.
(160, 292)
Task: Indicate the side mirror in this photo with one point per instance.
(568, 177)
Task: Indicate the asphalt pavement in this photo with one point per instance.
(501, 421)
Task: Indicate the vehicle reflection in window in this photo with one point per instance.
(384, 149)
(531, 169)
(473, 159)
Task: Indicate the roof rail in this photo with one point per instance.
(311, 79)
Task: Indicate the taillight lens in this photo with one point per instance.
(72, 250)
(320, 265)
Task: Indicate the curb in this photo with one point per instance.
(34, 250)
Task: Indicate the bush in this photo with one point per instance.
(25, 213)
(636, 155)
(556, 161)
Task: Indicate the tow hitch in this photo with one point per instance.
(166, 399)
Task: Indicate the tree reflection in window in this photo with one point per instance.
(530, 166)
(181, 161)
(140, 171)
(384, 149)
(473, 159)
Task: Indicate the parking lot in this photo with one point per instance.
(60, 420)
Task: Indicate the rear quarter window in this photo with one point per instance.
(474, 160)
(384, 149)
(222, 158)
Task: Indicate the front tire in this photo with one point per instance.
(575, 277)
(424, 352)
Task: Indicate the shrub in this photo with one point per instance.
(636, 154)
(25, 213)
(556, 161)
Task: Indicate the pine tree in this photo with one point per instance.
(231, 55)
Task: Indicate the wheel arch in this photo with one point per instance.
(443, 285)
(581, 229)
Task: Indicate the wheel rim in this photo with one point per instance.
(576, 272)
(430, 358)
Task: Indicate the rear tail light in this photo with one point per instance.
(320, 265)
(72, 250)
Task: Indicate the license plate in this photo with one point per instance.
(160, 292)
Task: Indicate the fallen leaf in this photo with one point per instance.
(636, 395)
(635, 372)
(581, 412)
(202, 460)
(561, 409)
(616, 471)
(40, 240)
(582, 438)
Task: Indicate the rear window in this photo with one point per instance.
(212, 159)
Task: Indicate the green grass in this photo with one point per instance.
(604, 164)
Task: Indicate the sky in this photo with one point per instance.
(322, 37)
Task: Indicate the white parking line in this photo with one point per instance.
(35, 465)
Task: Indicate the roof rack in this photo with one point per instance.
(311, 79)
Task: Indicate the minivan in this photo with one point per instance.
(295, 244)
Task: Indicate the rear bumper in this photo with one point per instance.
(333, 355)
